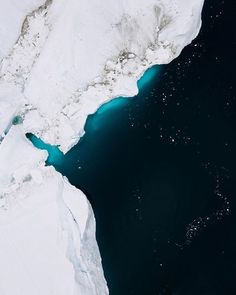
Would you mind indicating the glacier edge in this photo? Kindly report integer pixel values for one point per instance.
(47, 226)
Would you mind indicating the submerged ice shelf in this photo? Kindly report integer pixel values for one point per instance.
(148, 76)
(55, 155)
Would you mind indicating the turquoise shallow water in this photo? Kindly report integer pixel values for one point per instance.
(55, 156)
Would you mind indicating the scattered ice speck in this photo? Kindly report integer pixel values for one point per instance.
(199, 224)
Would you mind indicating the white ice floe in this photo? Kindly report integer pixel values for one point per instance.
(59, 61)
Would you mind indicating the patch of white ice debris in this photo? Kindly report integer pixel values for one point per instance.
(59, 61)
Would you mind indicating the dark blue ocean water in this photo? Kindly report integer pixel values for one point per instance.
(159, 170)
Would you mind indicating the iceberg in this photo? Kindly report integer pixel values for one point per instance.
(59, 61)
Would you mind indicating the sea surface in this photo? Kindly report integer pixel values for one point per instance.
(160, 171)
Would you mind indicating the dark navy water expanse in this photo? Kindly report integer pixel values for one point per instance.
(160, 171)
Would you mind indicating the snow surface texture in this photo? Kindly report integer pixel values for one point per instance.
(47, 227)
(59, 61)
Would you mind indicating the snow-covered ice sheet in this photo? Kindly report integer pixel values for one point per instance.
(12, 16)
(47, 227)
(74, 55)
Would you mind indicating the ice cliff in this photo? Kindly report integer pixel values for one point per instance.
(59, 61)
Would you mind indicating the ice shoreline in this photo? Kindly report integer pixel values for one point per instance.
(42, 217)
